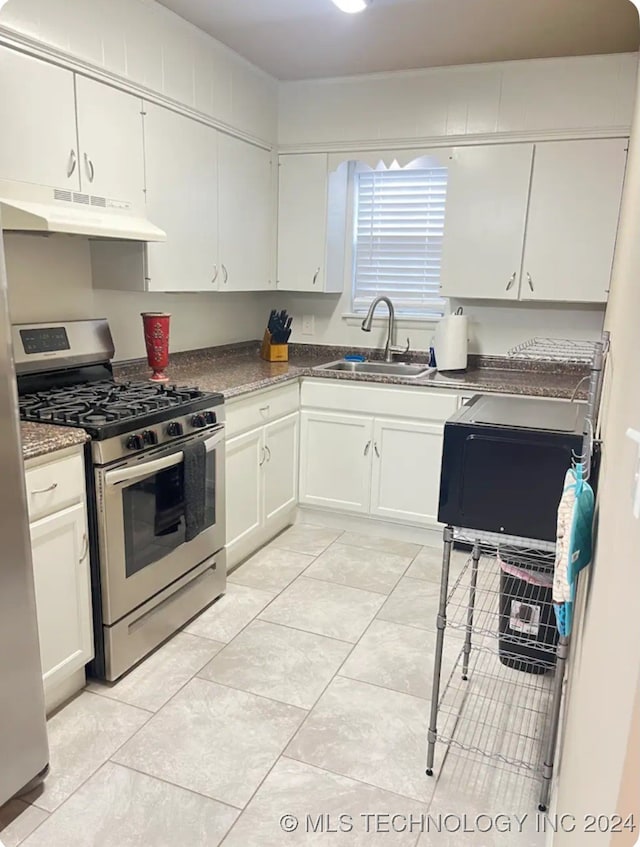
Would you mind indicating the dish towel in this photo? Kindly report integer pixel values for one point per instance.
(573, 544)
(195, 478)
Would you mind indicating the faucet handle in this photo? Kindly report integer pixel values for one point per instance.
(402, 350)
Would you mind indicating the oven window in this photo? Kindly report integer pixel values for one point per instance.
(153, 512)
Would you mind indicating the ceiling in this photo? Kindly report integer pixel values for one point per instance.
(303, 39)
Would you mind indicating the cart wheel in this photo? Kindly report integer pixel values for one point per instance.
(429, 771)
(542, 807)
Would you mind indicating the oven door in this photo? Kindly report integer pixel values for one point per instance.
(141, 524)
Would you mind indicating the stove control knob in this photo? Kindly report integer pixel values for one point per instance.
(209, 417)
(135, 442)
(150, 436)
(198, 421)
(174, 429)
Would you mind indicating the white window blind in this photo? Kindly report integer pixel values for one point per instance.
(398, 231)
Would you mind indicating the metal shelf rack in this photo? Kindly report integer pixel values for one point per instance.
(490, 709)
(486, 707)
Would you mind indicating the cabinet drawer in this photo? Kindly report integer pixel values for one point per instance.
(256, 409)
(400, 401)
(54, 485)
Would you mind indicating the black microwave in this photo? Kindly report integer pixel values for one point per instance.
(504, 463)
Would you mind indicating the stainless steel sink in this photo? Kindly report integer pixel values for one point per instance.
(408, 371)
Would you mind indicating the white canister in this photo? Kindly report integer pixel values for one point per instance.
(451, 342)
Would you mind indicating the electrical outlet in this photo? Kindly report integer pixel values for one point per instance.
(308, 325)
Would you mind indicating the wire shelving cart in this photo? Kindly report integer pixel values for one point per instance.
(502, 698)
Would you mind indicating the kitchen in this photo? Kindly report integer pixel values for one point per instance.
(529, 144)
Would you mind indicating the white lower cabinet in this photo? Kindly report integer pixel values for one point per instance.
(335, 460)
(280, 468)
(60, 554)
(243, 486)
(368, 462)
(406, 471)
(261, 484)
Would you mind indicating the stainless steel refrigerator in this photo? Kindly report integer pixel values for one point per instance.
(24, 753)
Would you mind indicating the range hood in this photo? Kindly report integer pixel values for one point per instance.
(39, 208)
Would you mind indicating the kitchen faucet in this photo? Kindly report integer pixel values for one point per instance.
(366, 324)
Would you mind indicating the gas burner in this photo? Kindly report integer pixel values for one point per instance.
(103, 406)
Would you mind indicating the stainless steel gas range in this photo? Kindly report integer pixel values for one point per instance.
(149, 576)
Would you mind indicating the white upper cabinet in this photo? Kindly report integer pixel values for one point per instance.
(246, 219)
(38, 141)
(485, 221)
(533, 224)
(302, 222)
(182, 198)
(111, 155)
(573, 220)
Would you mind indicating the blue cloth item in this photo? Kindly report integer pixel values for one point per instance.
(580, 543)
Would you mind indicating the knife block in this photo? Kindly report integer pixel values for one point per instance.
(273, 352)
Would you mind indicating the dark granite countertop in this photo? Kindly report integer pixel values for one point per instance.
(39, 439)
(237, 369)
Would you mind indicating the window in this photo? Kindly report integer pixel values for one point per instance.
(397, 240)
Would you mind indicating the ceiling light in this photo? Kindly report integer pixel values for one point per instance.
(352, 6)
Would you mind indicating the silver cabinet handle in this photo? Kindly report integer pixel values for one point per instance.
(263, 457)
(215, 274)
(225, 275)
(264, 410)
(512, 279)
(375, 447)
(51, 487)
(266, 447)
(71, 164)
(530, 281)
(88, 164)
(85, 546)
(315, 276)
(366, 449)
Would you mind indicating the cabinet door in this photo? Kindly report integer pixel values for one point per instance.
(111, 147)
(245, 209)
(38, 120)
(487, 194)
(281, 466)
(406, 471)
(59, 549)
(335, 460)
(302, 221)
(573, 220)
(182, 191)
(245, 456)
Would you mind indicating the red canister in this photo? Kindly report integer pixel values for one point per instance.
(156, 338)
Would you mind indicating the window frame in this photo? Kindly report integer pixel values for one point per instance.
(422, 162)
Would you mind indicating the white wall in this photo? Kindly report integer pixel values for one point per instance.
(493, 329)
(533, 96)
(606, 649)
(49, 278)
(146, 44)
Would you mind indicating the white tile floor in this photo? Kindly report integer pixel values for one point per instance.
(304, 691)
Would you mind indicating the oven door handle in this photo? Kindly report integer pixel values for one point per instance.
(131, 474)
(146, 469)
